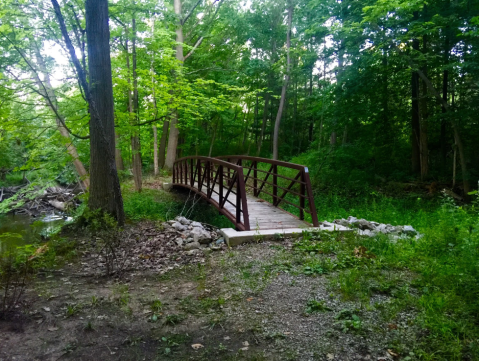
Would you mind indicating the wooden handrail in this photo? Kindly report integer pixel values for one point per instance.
(202, 174)
(227, 173)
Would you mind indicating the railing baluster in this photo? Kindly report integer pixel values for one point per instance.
(302, 199)
(275, 183)
(207, 170)
(255, 181)
(220, 169)
(199, 174)
(192, 174)
(312, 207)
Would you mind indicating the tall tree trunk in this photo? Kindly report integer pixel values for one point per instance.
(415, 123)
(164, 135)
(174, 132)
(423, 144)
(135, 137)
(285, 85)
(311, 120)
(155, 150)
(105, 191)
(445, 80)
(46, 90)
(118, 157)
(263, 125)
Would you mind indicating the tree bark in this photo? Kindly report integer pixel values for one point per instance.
(135, 138)
(164, 135)
(105, 191)
(423, 143)
(47, 90)
(285, 85)
(415, 123)
(174, 131)
(155, 150)
(118, 157)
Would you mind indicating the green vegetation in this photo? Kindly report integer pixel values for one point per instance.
(435, 277)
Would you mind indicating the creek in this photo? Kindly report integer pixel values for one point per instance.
(21, 229)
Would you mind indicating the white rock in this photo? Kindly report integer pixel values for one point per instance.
(192, 245)
(179, 227)
(200, 235)
(179, 241)
(183, 220)
(197, 224)
(352, 220)
(409, 230)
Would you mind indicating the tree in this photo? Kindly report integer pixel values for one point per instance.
(105, 192)
(285, 85)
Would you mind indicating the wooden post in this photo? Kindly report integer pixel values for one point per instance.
(220, 169)
(275, 184)
(255, 175)
(199, 174)
(312, 207)
(302, 197)
(208, 175)
(192, 173)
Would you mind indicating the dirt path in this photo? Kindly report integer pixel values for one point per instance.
(254, 302)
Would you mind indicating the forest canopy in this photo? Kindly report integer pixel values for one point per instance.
(361, 91)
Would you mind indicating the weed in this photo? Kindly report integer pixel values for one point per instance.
(88, 327)
(173, 319)
(348, 321)
(316, 306)
(156, 306)
(72, 309)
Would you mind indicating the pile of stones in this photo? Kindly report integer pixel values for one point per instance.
(371, 229)
(193, 236)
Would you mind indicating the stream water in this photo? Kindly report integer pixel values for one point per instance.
(19, 230)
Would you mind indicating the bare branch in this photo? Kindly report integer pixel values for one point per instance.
(198, 43)
(182, 22)
(71, 49)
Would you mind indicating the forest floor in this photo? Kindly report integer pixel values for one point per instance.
(285, 300)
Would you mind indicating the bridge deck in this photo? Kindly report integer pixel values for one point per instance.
(262, 215)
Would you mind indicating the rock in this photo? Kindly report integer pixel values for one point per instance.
(179, 227)
(167, 186)
(192, 252)
(192, 245)
(352, 220)
(215, 248)
(196, 224)
(200, 235)
(183, 220)
(220, 241)
(363, 225)
(409, 230)
(189, 240)
(179, 241)
(342, 222)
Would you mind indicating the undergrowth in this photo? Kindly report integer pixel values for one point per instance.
(435, 277)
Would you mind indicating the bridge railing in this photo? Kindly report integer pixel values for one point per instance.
(219, 182)
(282, 183)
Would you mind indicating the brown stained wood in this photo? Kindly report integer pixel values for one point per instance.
(224, 184)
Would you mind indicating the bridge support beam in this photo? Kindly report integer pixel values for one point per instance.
(235, 238)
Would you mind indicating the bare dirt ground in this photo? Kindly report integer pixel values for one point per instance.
(253, 302)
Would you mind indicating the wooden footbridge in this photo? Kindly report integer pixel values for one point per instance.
(253, 193)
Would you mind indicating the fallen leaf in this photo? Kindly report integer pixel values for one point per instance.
(46, 309)
(246, 343)
(249, 299)
(226, 338)
(392, 326)
(392, 353)
(244, 349)
(197, 346)
(330, 356)
(52, 329)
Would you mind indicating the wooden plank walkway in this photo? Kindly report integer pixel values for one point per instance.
(262, 215)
